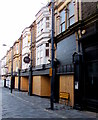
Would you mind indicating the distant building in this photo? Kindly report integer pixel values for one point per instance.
(3, 67)
(16, 61)
(8, 65)
(0, 69)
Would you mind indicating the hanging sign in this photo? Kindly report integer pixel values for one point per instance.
(26, 59)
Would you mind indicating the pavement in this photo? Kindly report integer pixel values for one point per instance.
(21, 105)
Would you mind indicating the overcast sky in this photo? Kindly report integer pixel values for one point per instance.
(15, 15)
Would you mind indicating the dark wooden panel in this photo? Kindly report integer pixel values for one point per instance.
(65, 50)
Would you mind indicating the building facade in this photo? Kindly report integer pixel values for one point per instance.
(0, 69)
(3, 70)
(43, 20)
(16, 61)
(76, 54)
(9, 64)
(73, 21)
(26, 38)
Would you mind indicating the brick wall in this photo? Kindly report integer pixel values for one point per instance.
(88, 9)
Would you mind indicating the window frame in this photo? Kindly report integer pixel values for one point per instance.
(62, 22)
(72, 16)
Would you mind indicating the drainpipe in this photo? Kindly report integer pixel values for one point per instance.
(30, 70)
(12, 71)
(52, 57)
(19, 68)
(77, 31)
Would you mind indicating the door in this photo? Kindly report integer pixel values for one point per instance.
(92, 80)
(91, 76)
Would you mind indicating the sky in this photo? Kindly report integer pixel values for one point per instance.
(15, 15)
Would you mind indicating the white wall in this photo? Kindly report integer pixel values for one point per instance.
(3, 66)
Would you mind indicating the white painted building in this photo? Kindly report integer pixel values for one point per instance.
(0, 69)
(42, 36)
(4, 69)
(26, 38)
(3, 66)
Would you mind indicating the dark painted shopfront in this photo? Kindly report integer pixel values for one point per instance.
(90, 61)
(85, 64)
(66, 47)
(86, 95)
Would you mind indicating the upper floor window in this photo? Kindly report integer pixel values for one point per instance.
(47, 44)
(47, 18)
(40, 26)
(47, 52)
(17, 49)
(62, 20)
(47, 24)
(25, 41)
(47, 49)
(16, 66)
(40, 55)
(70, 14)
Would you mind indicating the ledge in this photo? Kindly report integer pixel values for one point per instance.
(67, 73)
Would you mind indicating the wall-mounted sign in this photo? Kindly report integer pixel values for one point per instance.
(76, 85)
(26, 59)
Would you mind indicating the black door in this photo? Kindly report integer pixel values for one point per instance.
(91, 76)
(92, 80)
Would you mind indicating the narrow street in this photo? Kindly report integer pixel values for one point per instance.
(20, 105)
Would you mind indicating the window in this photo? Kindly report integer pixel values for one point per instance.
(25, 41)
(17, 49)
(62, 21)
(47, 44)
(40, 26)
(41, 56)
(47, 18)
(47, 52)
(16, 66)
(70, 14)
(47, 24)
(38, 60)
(47, 49)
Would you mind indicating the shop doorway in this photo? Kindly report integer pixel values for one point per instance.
(91, 76)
